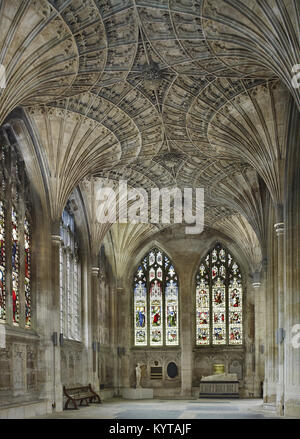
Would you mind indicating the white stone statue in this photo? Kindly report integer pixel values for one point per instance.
(138, 373)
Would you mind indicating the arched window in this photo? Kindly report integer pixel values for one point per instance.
(15, 243)
(156, 317)
(219, 300)
(70, 291)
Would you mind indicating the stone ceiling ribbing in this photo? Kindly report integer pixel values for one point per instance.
(187, 91)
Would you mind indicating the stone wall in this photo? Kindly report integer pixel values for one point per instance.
(193, 361)
(156, 360)
(19, 369)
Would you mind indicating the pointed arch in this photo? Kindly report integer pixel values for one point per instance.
(219, 299)
(156, 301)
(15, 209)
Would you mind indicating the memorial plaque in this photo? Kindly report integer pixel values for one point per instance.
(172, 370)
(236, 367)
(156, 373)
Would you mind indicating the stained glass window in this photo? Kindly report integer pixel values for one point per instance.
(70, 298)
(15, 273)
(27, 279)
(15, 266)
(2, 263)
(219, 295)
(156, 301)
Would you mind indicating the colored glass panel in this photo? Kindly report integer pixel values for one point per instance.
(219, 295)
(15, 267)
(156, 302)
(27, 279)
(2, 264)
(219, 312)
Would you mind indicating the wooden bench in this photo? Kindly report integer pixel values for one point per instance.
(82, 393)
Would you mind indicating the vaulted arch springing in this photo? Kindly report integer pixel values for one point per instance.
(219, 299)
(156, 317)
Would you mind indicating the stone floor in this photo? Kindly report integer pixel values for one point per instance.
(170, 409)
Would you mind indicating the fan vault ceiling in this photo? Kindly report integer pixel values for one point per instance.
(160, 93)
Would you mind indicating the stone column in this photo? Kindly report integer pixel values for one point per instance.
(279, 229)
(271, 316)
(95, 326)
(292, 273)
(292, 302)
(292, 328)
(123, 338)
(113, 328)
(186, 335)
(260, 336)
(249, 331)
(55, 320)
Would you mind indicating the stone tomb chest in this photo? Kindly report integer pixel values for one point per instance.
(219, 386)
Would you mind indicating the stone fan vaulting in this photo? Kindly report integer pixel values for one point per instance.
(160, 93)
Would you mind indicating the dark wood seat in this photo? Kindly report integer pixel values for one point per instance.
(80, 393)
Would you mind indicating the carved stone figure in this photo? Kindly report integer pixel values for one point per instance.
(138, 373)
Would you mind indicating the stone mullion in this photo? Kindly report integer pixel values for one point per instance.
(75, 298)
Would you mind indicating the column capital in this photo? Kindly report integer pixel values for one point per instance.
(279, 228)
(256, 279)
(95, 271)
(56, 239)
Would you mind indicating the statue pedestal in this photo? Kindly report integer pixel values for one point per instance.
(139, 393)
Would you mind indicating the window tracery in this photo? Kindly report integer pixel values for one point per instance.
(219, 300)
(156, 310)
(15, 239)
